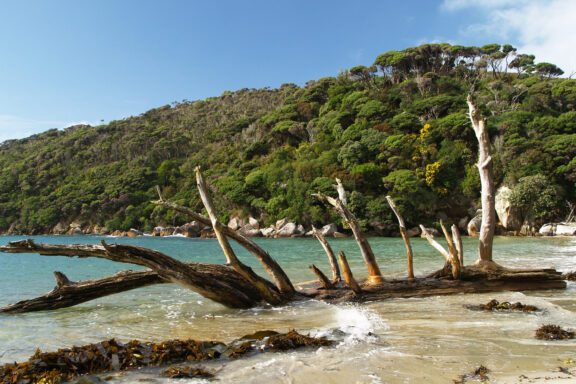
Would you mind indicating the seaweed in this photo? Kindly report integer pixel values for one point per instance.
(480, 373)
(553, 332)
(569, 276)
(505, 306)
(186, 373)
(112, 355)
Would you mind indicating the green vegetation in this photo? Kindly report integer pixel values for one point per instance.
(398, 127)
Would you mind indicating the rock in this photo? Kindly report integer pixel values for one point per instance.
(167, 231)
(510, 217)
(475, 224)
(253, 222)
(463, 223)
(59, 229)
(133, 233)
(118, 233)
(301, 230)
(268, 232)
(287, 230)
(563, 229)
(250, 231)
(281, 223)
(235, 223)
(329, 230)
(413, 232)
(103, 231)
(191, 229)
(558, 229)
(207, 233)
(75, 228)
(339, 235)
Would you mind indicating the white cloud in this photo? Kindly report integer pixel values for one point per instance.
(544, 28)
(456, 5)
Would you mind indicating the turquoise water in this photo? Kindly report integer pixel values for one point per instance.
(397, 341)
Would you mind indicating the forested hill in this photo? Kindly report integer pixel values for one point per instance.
(396, 127)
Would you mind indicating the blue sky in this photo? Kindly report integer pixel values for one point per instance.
(78, 61)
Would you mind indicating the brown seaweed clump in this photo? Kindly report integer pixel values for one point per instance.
(186, 373)
(553, 332)
(480, 373)
(112, 355)
(264, 341)
(505, 306)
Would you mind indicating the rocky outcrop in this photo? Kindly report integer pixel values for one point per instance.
(475, 224)
(75, 228)
(558, 229)
(287, 230)
(59, 229)
(510, 217)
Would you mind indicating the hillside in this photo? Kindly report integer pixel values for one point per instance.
(397, 127)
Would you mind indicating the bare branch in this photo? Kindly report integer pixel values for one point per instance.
(335, 270)
(270, 295)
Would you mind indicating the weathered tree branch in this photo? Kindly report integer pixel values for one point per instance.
(69, 293)
(348, 276)
(215, 285)
(453, 252)
(409, 254)
(448, 256)
(280, 278)
(374, 274)
(328, 249)
(270, 295)
(458, 244)
(326, 283)
(486, 236)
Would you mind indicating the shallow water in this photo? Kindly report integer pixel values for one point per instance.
(432, 340)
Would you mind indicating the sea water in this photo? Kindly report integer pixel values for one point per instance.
(413, 340)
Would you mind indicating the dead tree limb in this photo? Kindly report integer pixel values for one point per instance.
(409, 254)
(272, 296)
(280, 278)
(348, 276)
(453, 252)
(374, 274)
(215, 285)
(449, 257)
(69, 293)
(484, 165)
(326, 283)
(458, 244)
(328, 249)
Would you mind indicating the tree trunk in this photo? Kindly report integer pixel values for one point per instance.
(222, 287)
(484, 165)
(69, 293)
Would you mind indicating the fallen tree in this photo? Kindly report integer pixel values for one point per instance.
(236, 285)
